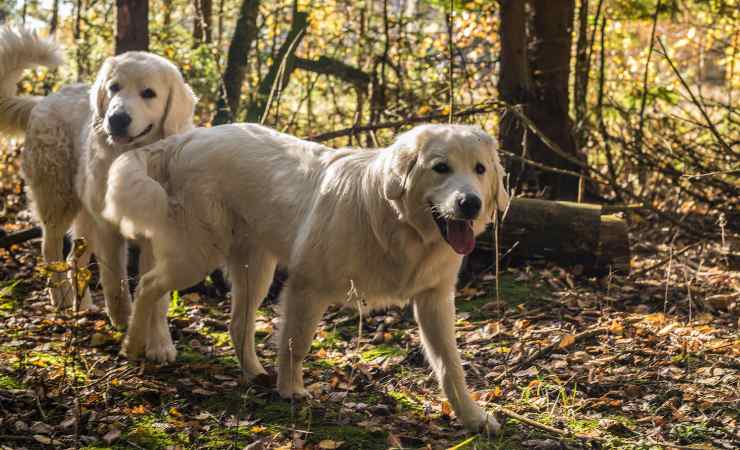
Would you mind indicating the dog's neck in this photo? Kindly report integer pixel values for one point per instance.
(383, 211)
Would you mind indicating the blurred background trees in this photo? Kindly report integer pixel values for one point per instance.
(621, 101)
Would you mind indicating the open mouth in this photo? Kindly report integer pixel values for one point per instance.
(458, 233)
(123, 140)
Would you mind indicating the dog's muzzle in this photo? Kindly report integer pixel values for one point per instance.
(458, 233)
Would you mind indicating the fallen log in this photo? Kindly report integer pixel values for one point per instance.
(533, 231)
(576, 235)
(7, 240)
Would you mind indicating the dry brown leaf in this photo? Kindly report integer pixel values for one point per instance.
(566, 341)
(329, 444)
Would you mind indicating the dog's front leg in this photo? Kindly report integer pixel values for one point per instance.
(435, 312)
(149, 294)
(159, 346)
(302, 312)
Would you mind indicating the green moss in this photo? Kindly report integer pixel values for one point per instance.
(512, 293)
(220, 338)
(8, 382)
(177, 306)
(382, 350)
(8, 298)
(406, 402)
(326, 340)
(187, 355)
(148, 433)
(583, 425)
(225, 437)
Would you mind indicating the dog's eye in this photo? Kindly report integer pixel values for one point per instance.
(480, 169)
(148, 93)
(441, 168)
(115, 87)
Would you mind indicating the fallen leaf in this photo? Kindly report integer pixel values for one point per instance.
(111, 436)
(46, 440)
(329, 444)
(566, 341)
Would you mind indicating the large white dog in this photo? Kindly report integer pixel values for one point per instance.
(390, 225)
(74, 135)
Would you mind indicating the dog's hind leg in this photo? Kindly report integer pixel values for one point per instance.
(435, 312)
(82, 228)
(159, 346)
(110, 250)
(250, 281)
(52, 249)
(302, 312)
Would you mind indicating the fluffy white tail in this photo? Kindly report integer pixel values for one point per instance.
(20, 50)
(134, 201)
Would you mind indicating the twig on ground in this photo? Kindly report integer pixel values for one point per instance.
(544, 351)
(584, 437)
(664, 260)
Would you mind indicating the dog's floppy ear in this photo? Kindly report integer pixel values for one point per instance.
(404, 153)
(99, 91)
(178, 115)
(502, 197)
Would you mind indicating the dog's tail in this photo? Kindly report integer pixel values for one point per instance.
(134, 201)
(20, 50)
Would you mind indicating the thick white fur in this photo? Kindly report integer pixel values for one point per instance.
(249, 197)
(68, 150)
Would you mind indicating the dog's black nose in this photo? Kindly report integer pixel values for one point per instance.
(469, 205)
(118, 123)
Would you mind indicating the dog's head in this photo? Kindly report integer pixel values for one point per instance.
(139, 98)
(446, 179)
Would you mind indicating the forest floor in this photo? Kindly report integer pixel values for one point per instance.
(636, 362)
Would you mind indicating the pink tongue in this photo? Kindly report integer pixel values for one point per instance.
(460, 236)
(121, 140)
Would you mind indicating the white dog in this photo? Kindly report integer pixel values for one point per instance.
(74, 135)
(391, 224)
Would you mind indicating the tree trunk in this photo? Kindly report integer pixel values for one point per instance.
(583, 65)
(515, 81)
(202, 22)
(237, 62)
(132, 25)
(565, 233)
(278, 75)
(549, 53)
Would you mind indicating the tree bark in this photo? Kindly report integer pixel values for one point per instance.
(278, 75)
(339, 69)
(583, 65)
(549, 52)
(132, 25)
(565, 233)
(237, 63)
(203, 22)
(515, 80)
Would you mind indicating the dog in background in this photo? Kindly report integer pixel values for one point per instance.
(72, 137)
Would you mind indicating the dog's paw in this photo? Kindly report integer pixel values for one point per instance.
(161, 352)
(119, 316)
(253, 371)
(61, 296)
(482, 422)
(87, 303)
(294, 392)
(133, 349)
